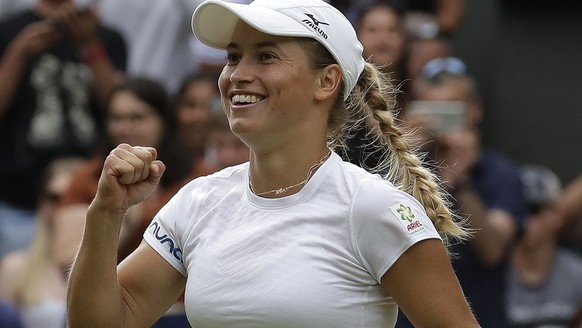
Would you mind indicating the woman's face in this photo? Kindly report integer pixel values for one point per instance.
(382, 36)
(267, 87)
(55, 187)
(131, 120)
(193, 112)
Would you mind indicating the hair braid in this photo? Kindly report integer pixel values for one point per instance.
(402, 164)
(371, 104)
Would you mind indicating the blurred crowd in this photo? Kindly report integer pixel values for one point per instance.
(80, 77)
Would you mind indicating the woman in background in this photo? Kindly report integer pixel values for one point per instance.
(31, 279)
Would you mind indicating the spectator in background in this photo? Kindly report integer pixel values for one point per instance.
(485, 185)
(353, 8)
(57, 66)
(571, 206)
(443, 17)
(224, 148)
(158, 37)
(381, 32)
(421, 50)
(192, 104)
(435, 16)
(544, 286)
(31, 279)
(203, 124)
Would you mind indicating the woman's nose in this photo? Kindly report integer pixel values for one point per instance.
(243, 71)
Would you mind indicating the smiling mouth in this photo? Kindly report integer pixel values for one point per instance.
(245, 99)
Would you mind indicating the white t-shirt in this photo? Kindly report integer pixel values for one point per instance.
(312, 259)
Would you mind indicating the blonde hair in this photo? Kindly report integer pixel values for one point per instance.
(38, 260)
(372, 105)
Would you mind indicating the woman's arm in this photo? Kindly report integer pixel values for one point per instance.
(33, 40)
(423, 284)
(134, 295)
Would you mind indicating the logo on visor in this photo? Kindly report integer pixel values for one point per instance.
(314, 24)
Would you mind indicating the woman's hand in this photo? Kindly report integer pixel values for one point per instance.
(81, 25)
(458, 152)
(130, 175)
(35, 39)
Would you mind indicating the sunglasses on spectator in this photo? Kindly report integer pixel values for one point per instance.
(449, 65)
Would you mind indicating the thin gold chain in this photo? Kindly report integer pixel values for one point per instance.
(281, 190)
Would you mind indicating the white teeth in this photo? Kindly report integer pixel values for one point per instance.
(244, 99)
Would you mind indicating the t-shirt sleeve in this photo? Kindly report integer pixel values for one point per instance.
(385, 222)
(165, 233)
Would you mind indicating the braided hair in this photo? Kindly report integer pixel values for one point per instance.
(372, 104)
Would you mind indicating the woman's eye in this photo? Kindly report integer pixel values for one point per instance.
(267, 56)
(232, 58)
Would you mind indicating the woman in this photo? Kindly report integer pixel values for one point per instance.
(295, 237)
(381, 30)
(192, 104)
(30, 279)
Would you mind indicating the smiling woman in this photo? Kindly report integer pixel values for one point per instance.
(316, 241)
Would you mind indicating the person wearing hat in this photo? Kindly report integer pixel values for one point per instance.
(543, 279)
(296, 237)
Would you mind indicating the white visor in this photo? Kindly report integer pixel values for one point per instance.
(214, 22)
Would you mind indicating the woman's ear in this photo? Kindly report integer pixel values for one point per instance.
(328, 82)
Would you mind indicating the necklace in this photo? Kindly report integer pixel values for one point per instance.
(281, 190)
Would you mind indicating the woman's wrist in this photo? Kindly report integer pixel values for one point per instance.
(103, 213)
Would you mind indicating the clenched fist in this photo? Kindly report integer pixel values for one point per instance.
(130, 175)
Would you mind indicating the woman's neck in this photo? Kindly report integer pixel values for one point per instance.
(282, 174)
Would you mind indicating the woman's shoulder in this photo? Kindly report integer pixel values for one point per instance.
(373, 189)
(361, 176)
(219, 180)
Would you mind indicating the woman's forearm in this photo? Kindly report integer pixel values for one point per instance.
(11, 69)
(94, 297)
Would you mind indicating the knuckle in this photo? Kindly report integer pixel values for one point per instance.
(140, 165)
